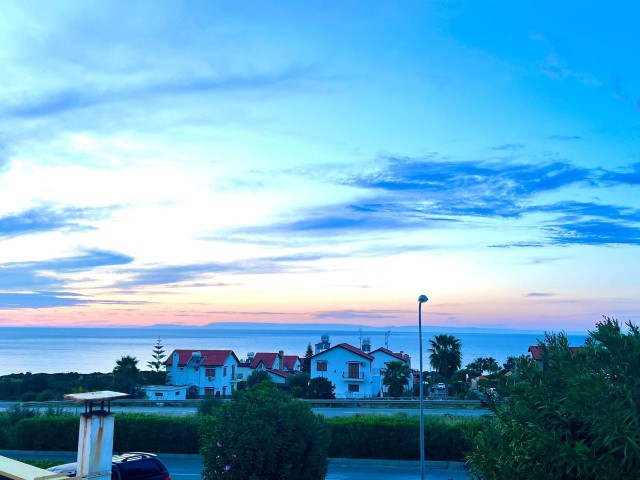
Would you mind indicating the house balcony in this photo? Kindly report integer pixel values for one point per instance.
(353, 377)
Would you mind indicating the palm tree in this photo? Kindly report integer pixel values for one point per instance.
(445, 354)
(396, 377)
(125, 373)
(492, 365)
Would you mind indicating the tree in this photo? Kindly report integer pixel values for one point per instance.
(263, 434)
(125, 374)
(258, 376)
(445, 355)
(320, 388)
(491, 365)
(298, 384)
(577, 418)
(306, 361)
(396, 377)
(158, 356)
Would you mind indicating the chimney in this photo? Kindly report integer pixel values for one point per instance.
(95, 441)
(281, 360)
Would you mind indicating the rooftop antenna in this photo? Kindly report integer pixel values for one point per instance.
(386, 339)
(360, 330)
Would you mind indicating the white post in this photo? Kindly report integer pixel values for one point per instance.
(421, 300)
(95, 445)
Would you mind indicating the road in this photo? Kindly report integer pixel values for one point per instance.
(327, 412)
(190, 468)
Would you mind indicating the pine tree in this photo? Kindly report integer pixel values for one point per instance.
(158, 356)
(306, 361)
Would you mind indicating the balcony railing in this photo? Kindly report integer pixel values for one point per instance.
(353, 375)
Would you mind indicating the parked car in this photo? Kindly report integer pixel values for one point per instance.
(126, 466)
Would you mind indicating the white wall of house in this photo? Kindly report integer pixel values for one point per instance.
(378, 366)
(350, 372)
(209, 379)
(165, 392)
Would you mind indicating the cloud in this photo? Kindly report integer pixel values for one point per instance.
(179, 274)
(595, 232)
(626, 178)
(46, 274)
(474, 179)
(539, 295)
(48, 218)
(37, 300)
(356, 314)
(509, 147)
(72, 99)
(565, 138)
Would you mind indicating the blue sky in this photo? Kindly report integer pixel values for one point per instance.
(197, 162)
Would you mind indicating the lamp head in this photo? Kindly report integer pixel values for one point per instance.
(422, 298)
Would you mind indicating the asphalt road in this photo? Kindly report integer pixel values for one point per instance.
(190, 468)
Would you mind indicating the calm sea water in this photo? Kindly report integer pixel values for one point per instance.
(87, 350)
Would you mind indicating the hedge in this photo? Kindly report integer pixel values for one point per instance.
(397, 437)
(361, 436)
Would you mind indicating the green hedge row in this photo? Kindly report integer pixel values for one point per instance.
(362, 436)
(154, 433)
(397, 437)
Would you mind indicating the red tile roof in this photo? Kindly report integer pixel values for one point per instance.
(268, 359)
(399, 356)
(290, 361)
(271, 360)
(210, 358)
(536, 352)
(351, 348)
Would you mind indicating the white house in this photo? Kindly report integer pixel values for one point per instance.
(165, 392)
(213, 372)
(348, 368)
(381, 357)
(278, 365)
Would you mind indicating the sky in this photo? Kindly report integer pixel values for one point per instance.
(319, 162)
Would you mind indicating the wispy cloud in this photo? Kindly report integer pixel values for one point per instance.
(358, 314)
(595, 232)
(48, 218)
(179, 274)
(71, 99)
(47, 274)
(38, 300)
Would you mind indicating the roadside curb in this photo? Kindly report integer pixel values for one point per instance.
(429, 464)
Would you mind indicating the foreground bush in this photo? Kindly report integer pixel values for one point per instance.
(263, 434)
(579, 418)
(398, 437)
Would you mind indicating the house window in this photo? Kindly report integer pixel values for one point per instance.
(321, 365)
(224, 371)
(354, 370)
(353, 387)
(177, 394)
(224, 390)
(209, 391)
(158, 394)
(210, 372)
(233, 372)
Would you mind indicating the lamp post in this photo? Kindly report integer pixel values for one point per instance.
(421, 299)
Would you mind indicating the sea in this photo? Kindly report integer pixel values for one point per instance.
(88, 350)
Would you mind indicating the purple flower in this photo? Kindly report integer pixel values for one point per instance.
(219, 444)
(227, 468)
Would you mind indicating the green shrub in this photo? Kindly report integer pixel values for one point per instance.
(59, 432)
(155, 433)
(398, 437)
(264, 434)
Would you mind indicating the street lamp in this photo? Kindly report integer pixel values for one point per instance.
(421, 299)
